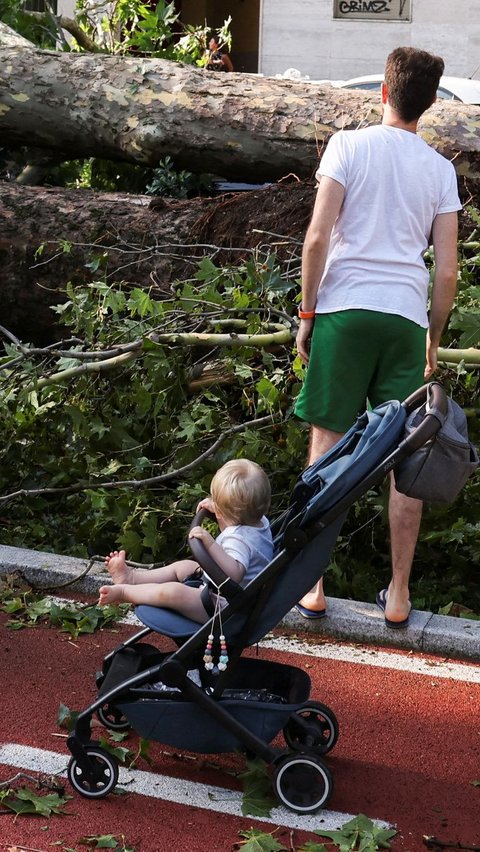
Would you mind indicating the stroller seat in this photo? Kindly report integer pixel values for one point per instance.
(166, 621)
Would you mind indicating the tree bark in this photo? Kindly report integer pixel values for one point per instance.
(51, 236)
(240, 126)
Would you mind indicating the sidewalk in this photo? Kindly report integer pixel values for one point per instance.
(350, 621)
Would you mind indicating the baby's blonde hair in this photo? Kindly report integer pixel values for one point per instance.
(241, 490)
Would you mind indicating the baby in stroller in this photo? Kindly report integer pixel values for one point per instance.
(239, 498)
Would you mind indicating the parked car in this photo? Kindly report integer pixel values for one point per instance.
(451, 88)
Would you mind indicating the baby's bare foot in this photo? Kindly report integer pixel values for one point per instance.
(111, 594)
(117, 567)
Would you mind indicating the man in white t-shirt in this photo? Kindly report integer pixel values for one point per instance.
(383, 196)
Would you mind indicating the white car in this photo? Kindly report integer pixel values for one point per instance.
(451, 88)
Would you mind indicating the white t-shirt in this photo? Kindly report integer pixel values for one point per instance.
(395, 186)
(251, 546)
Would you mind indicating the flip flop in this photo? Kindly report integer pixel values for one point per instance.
(381, 601)
(310, 613)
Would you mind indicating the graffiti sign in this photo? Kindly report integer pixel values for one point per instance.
(373, 10)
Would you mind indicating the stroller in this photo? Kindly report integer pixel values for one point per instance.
(171, 698)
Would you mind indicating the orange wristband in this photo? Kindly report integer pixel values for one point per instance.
(305, 314)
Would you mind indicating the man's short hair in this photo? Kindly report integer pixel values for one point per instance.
(412, 77)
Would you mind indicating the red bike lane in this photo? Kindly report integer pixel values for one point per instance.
(408, 752)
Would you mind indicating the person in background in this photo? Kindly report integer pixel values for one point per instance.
(364, 332)
(218, 59)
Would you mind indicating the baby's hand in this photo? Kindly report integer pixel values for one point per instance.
(208, 504)
(204, 536)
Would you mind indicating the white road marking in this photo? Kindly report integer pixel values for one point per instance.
(416, 664)
(178, 790)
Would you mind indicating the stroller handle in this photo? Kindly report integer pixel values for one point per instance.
(207, 563)
(435, 399)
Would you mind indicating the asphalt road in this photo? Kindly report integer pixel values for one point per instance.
(408, 752)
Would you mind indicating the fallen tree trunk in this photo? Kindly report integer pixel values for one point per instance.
(240, 126)
(51, 236)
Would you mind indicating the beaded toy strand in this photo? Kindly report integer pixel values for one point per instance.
(208, 655)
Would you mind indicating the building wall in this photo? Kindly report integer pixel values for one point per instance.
(304, 35)
(66, 7)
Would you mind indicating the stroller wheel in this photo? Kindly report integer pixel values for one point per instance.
(303, 783)
(112, 718)
(313, 726)
(97, 782)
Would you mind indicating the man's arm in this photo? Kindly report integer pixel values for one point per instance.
(445, 234)
(328, 203)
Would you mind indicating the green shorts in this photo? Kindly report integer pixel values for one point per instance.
(357, 358)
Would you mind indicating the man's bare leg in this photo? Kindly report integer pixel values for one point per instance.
(405, 514)
(321, 440)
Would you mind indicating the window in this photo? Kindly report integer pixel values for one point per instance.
(40, 6)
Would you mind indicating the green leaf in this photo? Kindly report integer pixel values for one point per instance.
(468, 321)
(383, 836)
(258, 798)
(189, 427)
(107, 841)
(26, 801)
(13, 605)
(142, 400)
(38, 608)
(149, 525)
(360, 834)
(100, 841)
(259, 841)
(206, 270)
(66, 717)
(267, 390)
(117, 736)
(140, 304)
(131, 542)
(144, 750)
(120, 752)
(111, 468)
(243, 371)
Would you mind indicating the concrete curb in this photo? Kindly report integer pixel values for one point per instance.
(350, 621)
